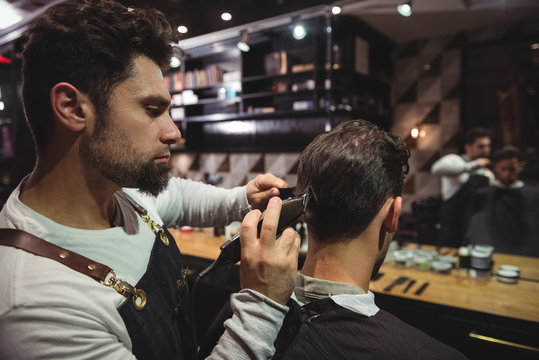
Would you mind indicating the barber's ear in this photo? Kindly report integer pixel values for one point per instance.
(392, 217)
(70, 106)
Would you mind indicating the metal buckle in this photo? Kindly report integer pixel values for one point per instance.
(138, 296)
(139, 299)
(124, 288)
(156, 228)
(164, 237)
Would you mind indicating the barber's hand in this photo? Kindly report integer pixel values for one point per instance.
(482, 162)
(263, 188)
(268, 265)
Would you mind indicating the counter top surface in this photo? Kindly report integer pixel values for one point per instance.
(520, 300)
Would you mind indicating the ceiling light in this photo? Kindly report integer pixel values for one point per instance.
(414, 133)
(405, 9)
(336, 10)
(175, 62)
(298, 29)
(182, 29)
(243, 44)
(226, 16)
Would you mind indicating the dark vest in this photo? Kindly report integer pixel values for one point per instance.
(161, 330)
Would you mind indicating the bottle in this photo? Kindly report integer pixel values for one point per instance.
(465, 258)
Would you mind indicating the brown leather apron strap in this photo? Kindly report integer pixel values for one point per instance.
(37, 246)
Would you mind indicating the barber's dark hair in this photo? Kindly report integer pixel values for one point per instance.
(90, 44)
(507, 152)
(475, 133)
(352, 170)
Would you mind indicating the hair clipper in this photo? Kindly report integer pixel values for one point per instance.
(291, 210)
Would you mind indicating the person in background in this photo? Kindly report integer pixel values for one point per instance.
(461, 175)
(505, 214)
(98, 108)
(356, 173)
(508, 163)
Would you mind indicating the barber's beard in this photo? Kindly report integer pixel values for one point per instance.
(115, 158)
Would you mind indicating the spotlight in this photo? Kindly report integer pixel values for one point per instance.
(226, 16)
(243, 44)
(298, 29)
(414, 133)
(175, 62)
(405, 9)
(336, 10)
(182, 29)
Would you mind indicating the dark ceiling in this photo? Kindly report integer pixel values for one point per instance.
(203, 16)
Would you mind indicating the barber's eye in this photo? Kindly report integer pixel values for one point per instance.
(154, 111)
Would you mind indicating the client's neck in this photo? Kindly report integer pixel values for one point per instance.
(343, 260)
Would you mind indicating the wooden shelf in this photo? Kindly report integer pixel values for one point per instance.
(278, 76)
(273, 93)
(211, 101)
(252, 71)
(252, 116)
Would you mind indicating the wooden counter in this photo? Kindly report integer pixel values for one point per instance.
(201, 243)
(482, 319)
(519, 301)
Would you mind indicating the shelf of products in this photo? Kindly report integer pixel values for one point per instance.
(333, 75)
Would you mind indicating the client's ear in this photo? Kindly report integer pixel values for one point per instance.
(69, 106)
(392, 217)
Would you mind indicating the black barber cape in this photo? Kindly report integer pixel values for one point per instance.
(324, 330)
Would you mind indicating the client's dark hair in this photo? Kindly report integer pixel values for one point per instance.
(507, 152)
(90, 44)
(352, 170)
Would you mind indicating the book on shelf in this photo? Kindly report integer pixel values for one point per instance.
(209, 76)
(276, 63)
(302, 105)
(361, 56)
(303, 85)
(174, 82)
(260, 110)
(302, 67)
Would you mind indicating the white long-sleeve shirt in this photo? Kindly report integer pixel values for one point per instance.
(455, 170)
(49, 311)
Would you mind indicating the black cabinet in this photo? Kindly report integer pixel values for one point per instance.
(477, 335)
(283, 92)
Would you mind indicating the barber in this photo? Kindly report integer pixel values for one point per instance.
(461, 175)
(98, 109)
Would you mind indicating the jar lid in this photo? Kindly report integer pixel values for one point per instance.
(402, 254)
(510, 267)
(484, 247)
(421, 258)
(441, 266)
(480, 253)
(507, 273)
(186, 229)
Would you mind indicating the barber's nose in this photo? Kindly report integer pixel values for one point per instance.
(171, 134)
